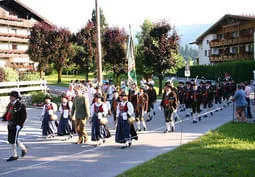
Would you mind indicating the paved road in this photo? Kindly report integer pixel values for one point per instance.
(57, 157)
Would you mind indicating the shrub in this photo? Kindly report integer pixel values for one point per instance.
(37, 97)
(11, 74)
(2, 75)
(239, 70)
(29, 76)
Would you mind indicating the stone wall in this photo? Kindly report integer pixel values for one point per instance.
(4, 100)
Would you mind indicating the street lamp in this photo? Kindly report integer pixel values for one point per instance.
(99, 54)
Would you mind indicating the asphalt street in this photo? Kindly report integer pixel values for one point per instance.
(59, 157)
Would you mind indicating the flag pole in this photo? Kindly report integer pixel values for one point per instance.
(99, 54)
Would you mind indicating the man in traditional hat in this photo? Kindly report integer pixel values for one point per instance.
(187, 94)
(152, 97)
(16, 116)
(208, 98)
(181, 92)
(169, 104)
(141, 108)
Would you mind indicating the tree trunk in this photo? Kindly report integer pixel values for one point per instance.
(41, 74)
(59, 75)
(160, 79)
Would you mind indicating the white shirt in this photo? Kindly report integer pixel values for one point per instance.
(92, 108)
(129, 105)
(55, 107)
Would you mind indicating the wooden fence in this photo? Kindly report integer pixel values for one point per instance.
(23, 86)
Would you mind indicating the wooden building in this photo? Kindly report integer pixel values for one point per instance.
(16, 21)
(229, 39)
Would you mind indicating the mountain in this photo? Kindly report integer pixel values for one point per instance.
(189, 33)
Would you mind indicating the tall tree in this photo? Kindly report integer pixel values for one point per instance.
(61, 49)
(86, 53)
(139, 50)
(158, 49)
(114, 44)
(38, 49)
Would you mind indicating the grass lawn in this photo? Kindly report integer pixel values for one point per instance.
(65, 80)
(228, 151)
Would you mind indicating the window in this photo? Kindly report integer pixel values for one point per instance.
(233, 50)
(235, 34)
(207, 41)
(220, 36)
(14, 46)
(205, 53)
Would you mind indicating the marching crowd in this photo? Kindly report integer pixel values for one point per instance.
(131, 109)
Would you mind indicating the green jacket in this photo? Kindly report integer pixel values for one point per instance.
(80, 107)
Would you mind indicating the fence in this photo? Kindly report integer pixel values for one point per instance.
(23, 86)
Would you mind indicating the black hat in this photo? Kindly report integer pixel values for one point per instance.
(98, 95)
(181, 82)
(64, 96)
(48, 97)
(123, 94)
(201, 82)
(15, 94)
(187, 82)
(208, 82)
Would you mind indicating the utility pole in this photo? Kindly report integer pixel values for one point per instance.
(99, 54)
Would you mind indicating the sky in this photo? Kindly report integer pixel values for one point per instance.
(120, 13)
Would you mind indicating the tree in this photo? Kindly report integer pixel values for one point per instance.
(61, 49)
(86, 48)
(159, 47)
(114, 45)
(38, 50)
(139, 50)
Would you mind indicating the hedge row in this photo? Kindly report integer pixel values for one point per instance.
(239, 70)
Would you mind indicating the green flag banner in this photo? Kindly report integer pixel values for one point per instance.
(132, 81)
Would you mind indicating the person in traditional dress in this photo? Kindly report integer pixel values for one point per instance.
(195, 102)
(65, 124)
(115, 102)
(49, 125)
(98, 111)
(169, 104)
(80, 112)
(16, 116)
(187, 99)
(141, 108)
(125, 130)
(152, 96)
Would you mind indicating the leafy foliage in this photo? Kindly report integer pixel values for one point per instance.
(38, 49)
(11, 75)
(159, 47)
(2, 75)
(216, 71)
(61, 49)
(86, 48)
(114, 45)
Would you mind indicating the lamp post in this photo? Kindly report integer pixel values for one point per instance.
(99, 54)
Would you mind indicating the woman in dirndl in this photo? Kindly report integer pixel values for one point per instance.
(49, 126)
(125, 131)
(65, 124)
(99, 111)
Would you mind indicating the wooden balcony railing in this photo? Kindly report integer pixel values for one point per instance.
(222, 58)
(240, 40)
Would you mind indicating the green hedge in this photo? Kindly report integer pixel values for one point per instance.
(239, 70)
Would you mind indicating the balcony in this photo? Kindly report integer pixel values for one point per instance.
(233, 57)
(12, 53)
(16, 23)
(224, 42)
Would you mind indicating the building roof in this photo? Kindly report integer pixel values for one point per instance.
(219, 23)
(23, 10)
